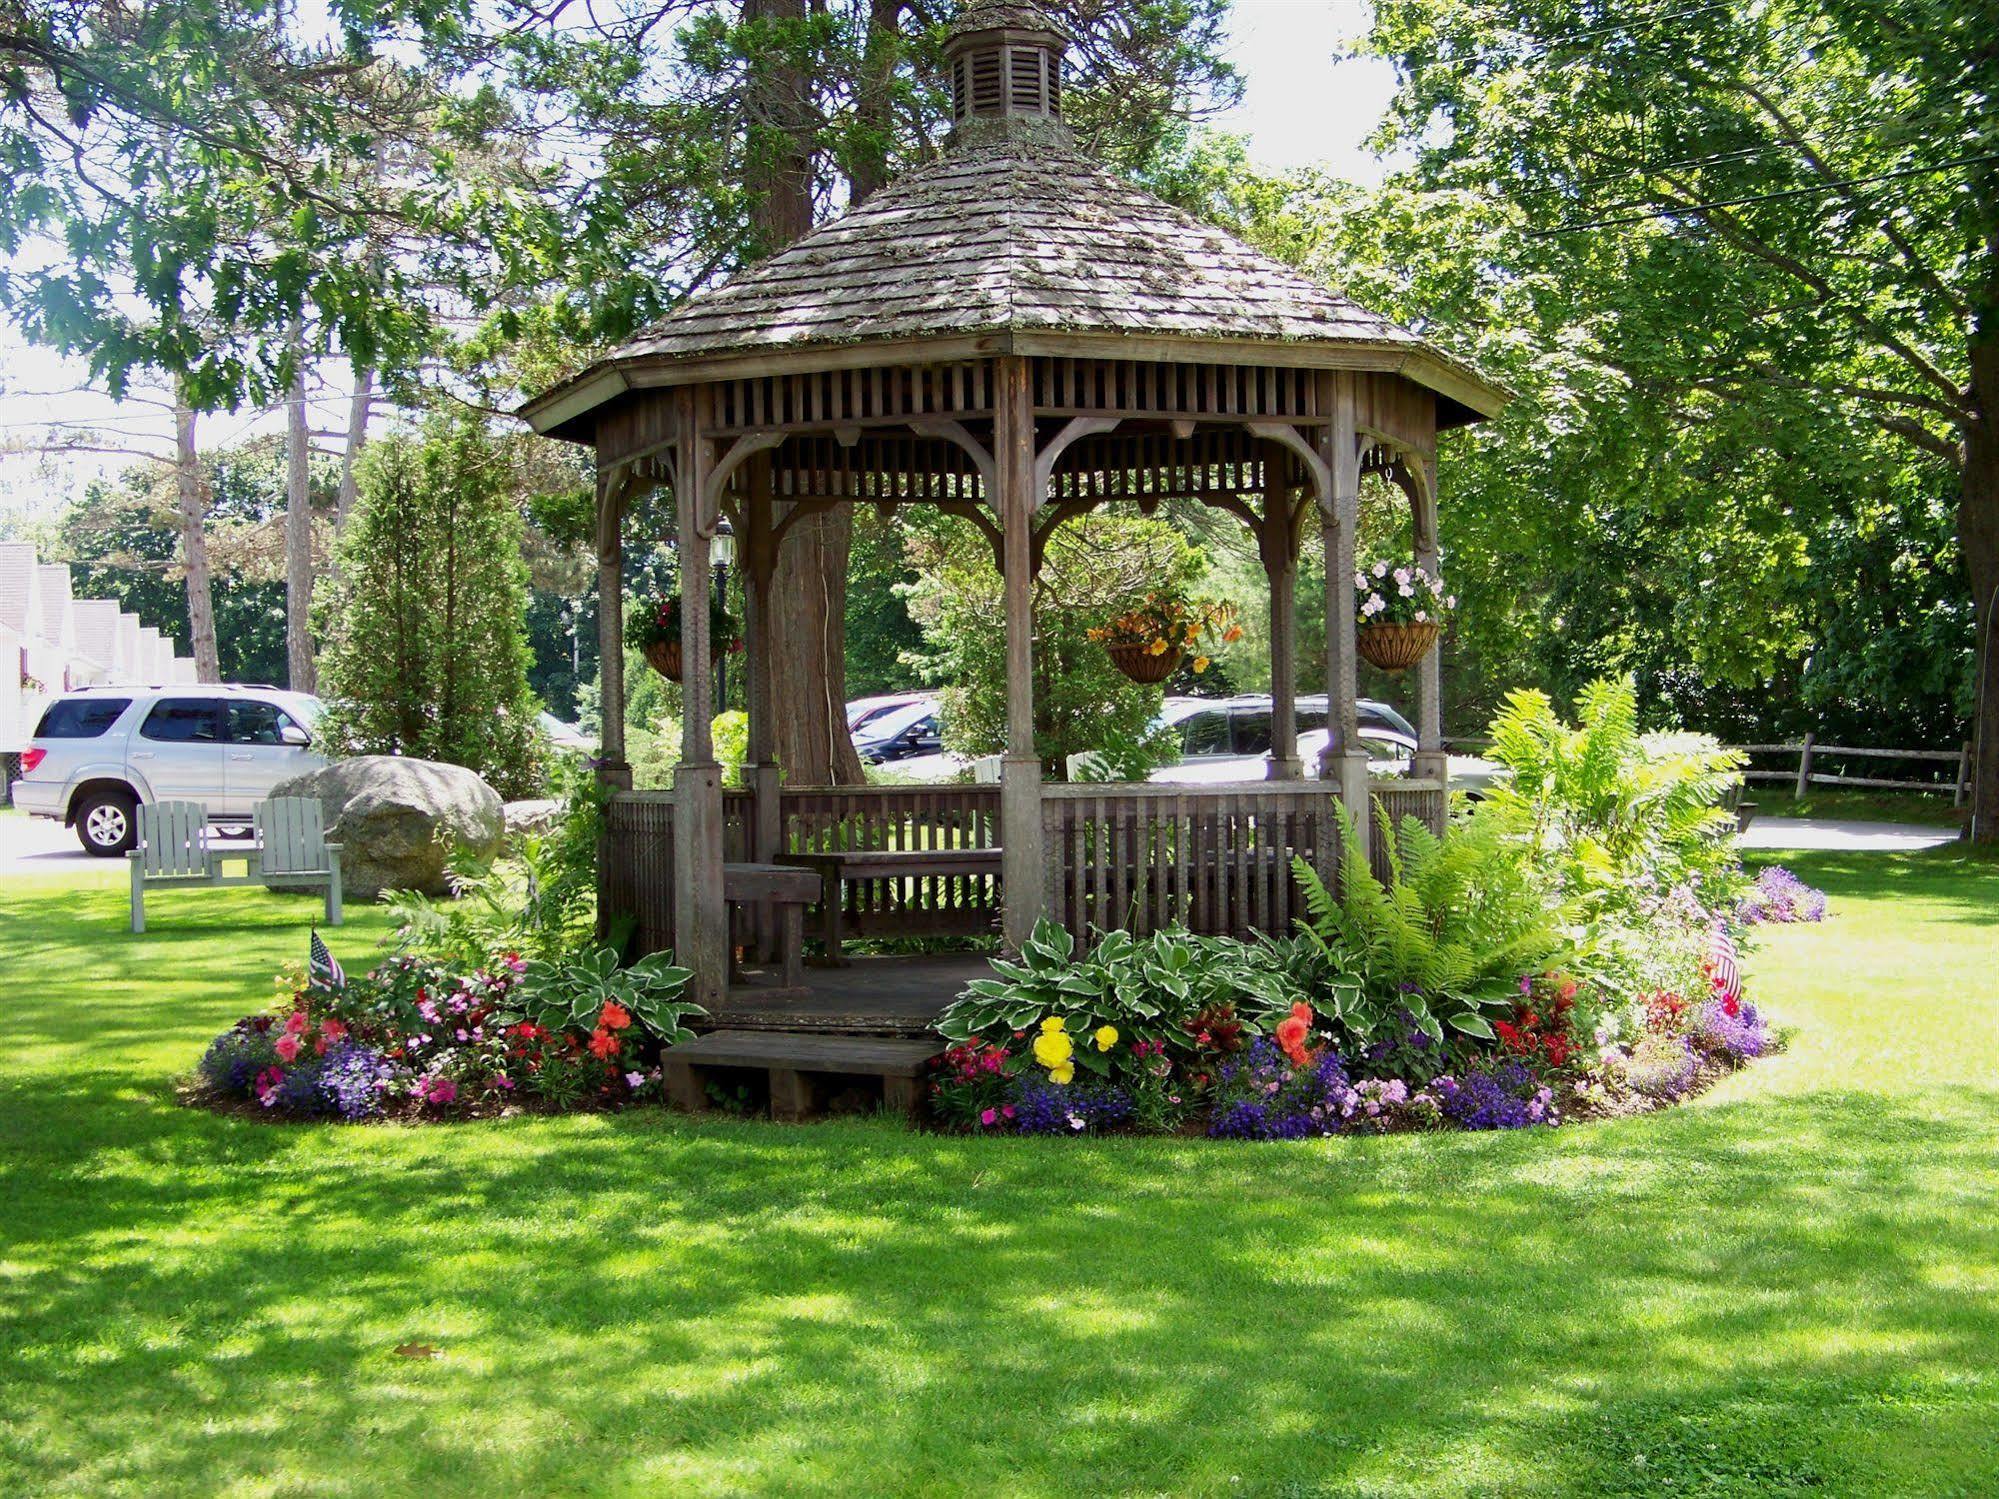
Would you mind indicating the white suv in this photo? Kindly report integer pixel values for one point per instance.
(101, 751)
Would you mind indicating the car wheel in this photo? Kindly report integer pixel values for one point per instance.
(107, 823)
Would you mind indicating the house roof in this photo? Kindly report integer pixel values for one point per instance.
(1013, 230)
(96, 630)
(18, 587)
(55, 598)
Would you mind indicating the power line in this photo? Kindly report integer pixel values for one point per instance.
(1681, 210)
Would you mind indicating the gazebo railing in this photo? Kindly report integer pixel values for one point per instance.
(1216, 858)
(1394, 799)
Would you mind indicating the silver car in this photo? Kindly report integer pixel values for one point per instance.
(101, 752)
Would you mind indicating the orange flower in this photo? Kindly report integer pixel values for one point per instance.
(1292, 1031)
(603, 1044)
(615, 1017)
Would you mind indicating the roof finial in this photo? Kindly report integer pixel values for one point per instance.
(1006, 61)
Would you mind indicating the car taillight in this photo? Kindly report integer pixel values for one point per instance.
(30, 758)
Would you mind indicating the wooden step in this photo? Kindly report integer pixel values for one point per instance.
(798, 1064)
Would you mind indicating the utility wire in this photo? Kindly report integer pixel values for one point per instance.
(1683, 210)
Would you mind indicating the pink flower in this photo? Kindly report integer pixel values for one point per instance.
(989, 1117)
(288, 1047)
(297, 1023)
(635, 1080)
(440, 1090)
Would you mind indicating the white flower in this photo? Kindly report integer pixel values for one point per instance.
(1407, 591)
(1360, 578)
(1422, 618)
(1451, 602)
(1402, 576)
(1381, 569)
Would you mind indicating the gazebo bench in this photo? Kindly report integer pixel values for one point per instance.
(799, 1065)
(790, 890)
(836, 866)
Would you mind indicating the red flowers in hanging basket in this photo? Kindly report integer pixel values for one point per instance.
(1395, 647)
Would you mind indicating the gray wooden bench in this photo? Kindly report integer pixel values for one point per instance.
(836, 866)
(292, 848)
(799, 1066)
(292, 851)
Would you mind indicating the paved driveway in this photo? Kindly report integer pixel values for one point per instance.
(34, 844)
(1841, 835)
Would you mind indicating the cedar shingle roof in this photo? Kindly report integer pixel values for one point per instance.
(1016, 232)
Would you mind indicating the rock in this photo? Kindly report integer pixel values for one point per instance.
(537, 816)
(398, 820)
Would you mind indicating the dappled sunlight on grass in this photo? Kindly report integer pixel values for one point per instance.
(1786, 1286)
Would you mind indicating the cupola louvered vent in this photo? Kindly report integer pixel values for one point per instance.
(1006, 60)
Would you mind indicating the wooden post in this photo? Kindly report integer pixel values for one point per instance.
(1805, 768)
(612, 767)
(700, 918)
(1963, 787)
(1278, 543)
(1020, 773)
(760, 543)
(1339, 513)
(1431, 763)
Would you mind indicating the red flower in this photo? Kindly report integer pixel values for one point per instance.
(603, 1044)
(615, 1017)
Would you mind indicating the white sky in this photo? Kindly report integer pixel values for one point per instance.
(1299, 107)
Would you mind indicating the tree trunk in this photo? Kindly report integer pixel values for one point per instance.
(298, 530)
(1978, 540)
(192, 504)
(807, 638)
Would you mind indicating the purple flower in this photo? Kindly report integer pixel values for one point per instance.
(1780, 896)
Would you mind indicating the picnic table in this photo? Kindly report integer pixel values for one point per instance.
(835, 867)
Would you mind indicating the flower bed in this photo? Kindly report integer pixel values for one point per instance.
(1567, 950)
(414, 1039)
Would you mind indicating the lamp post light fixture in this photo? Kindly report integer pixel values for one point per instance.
(723, 552)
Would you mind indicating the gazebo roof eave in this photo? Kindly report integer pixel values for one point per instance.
(561, 411)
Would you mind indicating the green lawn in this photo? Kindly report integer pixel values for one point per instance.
(1791, 1285)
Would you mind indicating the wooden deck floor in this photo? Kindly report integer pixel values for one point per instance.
(899, 996)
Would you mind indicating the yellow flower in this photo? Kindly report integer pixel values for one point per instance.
(1066, 1073)
(1232, 634)
(1200, 665)
(1157, 648)
(1053, 1049)
(1054, 1023)
(1106, 1037)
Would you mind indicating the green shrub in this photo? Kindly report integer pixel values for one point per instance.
(1610, 812)
(1446, 938)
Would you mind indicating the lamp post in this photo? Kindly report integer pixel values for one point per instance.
(723, 550)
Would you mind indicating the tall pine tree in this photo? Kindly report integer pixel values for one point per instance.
(426, 652)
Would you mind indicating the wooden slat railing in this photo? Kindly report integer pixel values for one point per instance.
(1214, 858)
(1395, 799)
(825, 818)
(1142, 857)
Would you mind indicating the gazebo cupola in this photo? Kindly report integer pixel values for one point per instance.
(1013, 335)
(1005, 59)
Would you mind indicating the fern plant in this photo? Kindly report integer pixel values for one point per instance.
(1607, 807)
(1446, 937)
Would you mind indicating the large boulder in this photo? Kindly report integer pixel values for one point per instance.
(398, 820)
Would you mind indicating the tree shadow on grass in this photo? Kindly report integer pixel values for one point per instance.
(638, 1301)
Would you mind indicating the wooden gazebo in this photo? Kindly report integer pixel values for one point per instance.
(1014, 335)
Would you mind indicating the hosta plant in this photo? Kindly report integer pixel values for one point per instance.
(572, 994)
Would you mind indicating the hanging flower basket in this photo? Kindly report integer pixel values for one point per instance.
(663, 656)
(654, 628)
(1395, 647)
(1141, 664)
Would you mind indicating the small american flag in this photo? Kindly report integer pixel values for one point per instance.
(1722, 969)
(322, 967)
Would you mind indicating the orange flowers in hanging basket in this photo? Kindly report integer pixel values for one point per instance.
(1148, 643)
